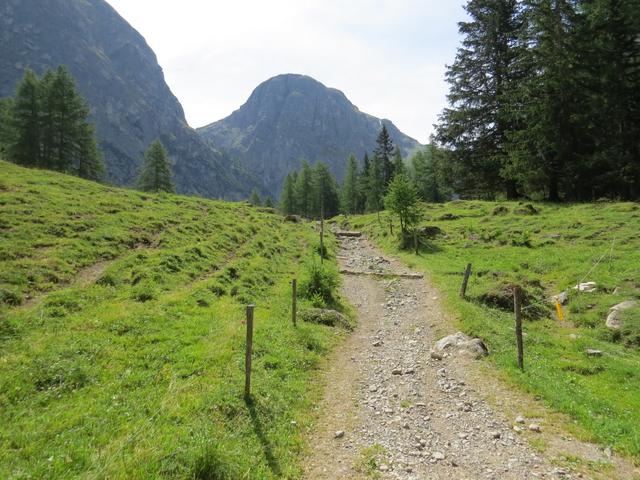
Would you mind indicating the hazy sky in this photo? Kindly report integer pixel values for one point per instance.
(387, 56)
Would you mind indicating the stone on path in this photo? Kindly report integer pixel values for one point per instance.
(462, 343)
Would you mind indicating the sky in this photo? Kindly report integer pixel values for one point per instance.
(387, 56)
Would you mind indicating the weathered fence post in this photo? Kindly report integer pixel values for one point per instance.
(390, 226)
(415, 241)
(247, 361)
(517, 304)
(294, 300)
(465, 281)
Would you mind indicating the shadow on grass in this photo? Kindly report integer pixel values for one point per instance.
(266, 445)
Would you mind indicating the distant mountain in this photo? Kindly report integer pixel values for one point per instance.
(120, 77)
(293, 117)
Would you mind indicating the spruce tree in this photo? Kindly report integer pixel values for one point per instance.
(24, 122)
(349, 192)
(384, 152)
(155, 175)
(268, 202)
(481, 79)
(402, 200)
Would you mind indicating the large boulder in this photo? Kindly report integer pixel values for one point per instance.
(461, 344)
(614, 319)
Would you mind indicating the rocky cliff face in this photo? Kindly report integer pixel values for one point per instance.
(119, 75)
(293, 117)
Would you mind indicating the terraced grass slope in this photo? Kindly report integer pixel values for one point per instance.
(122, 335)
(546, 249)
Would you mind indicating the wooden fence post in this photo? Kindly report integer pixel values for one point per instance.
(465, 281)
(517, 304)
(247, 361)
(415, 241)
(294, 300)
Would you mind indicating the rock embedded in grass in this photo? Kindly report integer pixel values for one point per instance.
(614, 319)
(323, 316)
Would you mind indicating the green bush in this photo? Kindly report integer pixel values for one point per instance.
(320, 282)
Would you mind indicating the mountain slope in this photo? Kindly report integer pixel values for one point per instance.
(293, 117)
(121, 341)
(119, 75)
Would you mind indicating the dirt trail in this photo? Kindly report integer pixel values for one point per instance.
(405, 415)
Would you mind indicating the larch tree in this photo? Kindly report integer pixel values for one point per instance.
(155, 175)
(384, 153)
(349, 192)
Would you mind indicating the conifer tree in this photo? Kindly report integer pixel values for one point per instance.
(481, 79)
(402, 200)
(303, 189)
(5, 132)
(384, 153)
(375, 185)
(363, 183)
(155, 175)
(268, 202)
(288, 196)
(255, 198)
(325, 201)
(88, 163)
(24, 122)
(349, 193)
(398, 163)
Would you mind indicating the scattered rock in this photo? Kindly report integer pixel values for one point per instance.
(520, 419)
(586, 287)
(495, 434)
(614, 319)
(448, 216)
(592, 352)
(534, 427)
(436, 355)
(463, 344)
(438, 456)
(339, 434)
(616, 291)
(377, 343)
(396, 371)
(430, 231)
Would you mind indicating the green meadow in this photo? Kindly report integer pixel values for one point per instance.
(546, 249)
(122, 334)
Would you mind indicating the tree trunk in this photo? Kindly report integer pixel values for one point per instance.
(512, 190)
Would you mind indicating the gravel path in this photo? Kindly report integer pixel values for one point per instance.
(390, 410)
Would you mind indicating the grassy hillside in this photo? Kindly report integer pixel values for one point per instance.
(122, 335)
(546, 249)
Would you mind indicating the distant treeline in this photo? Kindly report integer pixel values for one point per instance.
(313, 191)
(45, 125)
(545, 101)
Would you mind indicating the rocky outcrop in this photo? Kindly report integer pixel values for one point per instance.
(289, 118)
(118, 73)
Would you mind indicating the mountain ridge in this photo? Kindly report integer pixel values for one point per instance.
(291, 117)
(119, 75)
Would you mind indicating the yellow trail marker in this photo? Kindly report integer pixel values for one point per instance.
(559, 311)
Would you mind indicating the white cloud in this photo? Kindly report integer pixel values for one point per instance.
(387, 56)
